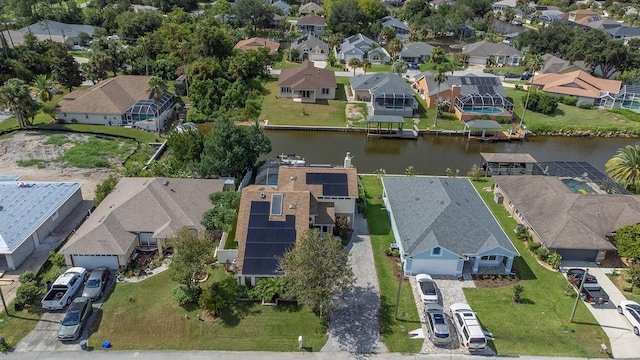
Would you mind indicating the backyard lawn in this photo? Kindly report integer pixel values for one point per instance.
(570, 117)
(284, 111)
(144, 316)
(394, 329)
(540, 325)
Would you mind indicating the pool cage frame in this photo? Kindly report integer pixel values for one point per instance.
(393, 99)
(627, 93)
(483, 100)
(148, 109)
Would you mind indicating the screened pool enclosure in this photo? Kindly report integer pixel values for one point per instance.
(148, 109)
(484, 104)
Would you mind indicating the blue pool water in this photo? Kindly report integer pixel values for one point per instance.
(578, 187)
(483, 109)
(631, 104)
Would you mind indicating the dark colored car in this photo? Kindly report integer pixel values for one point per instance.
(526, 76)
(511, 75)
(575, 275)
(96, 283)
(75, 319)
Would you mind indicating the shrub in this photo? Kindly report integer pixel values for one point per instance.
(543, 253)
(503, 120)
(541, 102)
(570, 100)
(104, 188)
(554, 260)
(392, 252)
(522, 233)
(475, 173)
(533, 246)
(583, 104)
(519, 87)
(28, 293)
(56, 259)
(625, 286)
(184, 295)
(517, 293)
(27, 276)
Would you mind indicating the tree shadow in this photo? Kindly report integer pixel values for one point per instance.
(378, 219)
(232, 316)
(322, 102)
(527, 301)
(523, 270)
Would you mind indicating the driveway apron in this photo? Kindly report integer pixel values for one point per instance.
(354, 325)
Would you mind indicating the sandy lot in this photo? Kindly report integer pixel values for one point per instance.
(30, 145)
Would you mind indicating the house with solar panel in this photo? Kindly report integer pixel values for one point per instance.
(272, 217)
(443, 227)
(470, 95)
(29, 212)
(120, 101)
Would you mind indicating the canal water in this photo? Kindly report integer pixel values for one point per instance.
(433, 154)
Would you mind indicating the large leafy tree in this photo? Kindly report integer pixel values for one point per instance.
(14, 95)
(65, 70)
(223, 215)
(624, 167)
(186, 147)
(191, 252)
(627, 240)
(316, 270)
(347, 18)
(231, 150)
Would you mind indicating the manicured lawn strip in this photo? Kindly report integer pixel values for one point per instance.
(18, 324)
(284, 111)
(394, 330)
(144, 316)
(540, 325)
(447, 121)
(570, 117)
(284, 64)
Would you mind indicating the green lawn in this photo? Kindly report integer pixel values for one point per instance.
(571, 117)
(284, 64)
(447, 121)
(540, 325)
(284, 111)
(144, 316)
(394, 329)
(18, 324)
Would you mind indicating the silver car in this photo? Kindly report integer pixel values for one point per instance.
(96, 283)
(75, 319)
(437, 324)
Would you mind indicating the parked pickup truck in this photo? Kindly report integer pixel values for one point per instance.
(591, 290)
(64, 288)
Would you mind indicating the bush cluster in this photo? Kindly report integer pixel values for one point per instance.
(583, 104)
(569, 100)
(541, 102)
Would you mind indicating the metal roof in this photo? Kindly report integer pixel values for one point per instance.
(482, 124)
(508, 157)
(385, 119)
(25, 205)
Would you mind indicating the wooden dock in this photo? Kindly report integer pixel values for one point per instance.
(397, 134)
(499, 136)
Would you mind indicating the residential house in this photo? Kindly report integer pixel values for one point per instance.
(546, 17)
(500, 6)
(553, 64)
(567, 215)
(470, 94)
(29, 212)
(385, 93)
(583, 16)
(122, 100)
(12, 38)
(312, 24)
(256, 43)
(283, 6)
(310, 8)
(402, 30)
(140, 213)
(416, 52)
(485, 53)
(443, 227)
(139, 8)
(578, 84)
(362, 48)
(272, 218)
(57, 31)
(624, 33)
(311, 47)
(307, 83)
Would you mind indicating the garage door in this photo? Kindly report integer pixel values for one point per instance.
(317, 57)
(578, 255)
(434, 267)
(95, 261)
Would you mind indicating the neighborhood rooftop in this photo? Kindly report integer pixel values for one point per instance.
(25, 205)
(381, 83)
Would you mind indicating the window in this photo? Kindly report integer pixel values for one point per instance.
(510, 204)
(285, 90)
(147, 239)
(325, 91)
(489, 257)
(437, 251)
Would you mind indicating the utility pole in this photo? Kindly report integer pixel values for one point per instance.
(575, 305)
(6, 311)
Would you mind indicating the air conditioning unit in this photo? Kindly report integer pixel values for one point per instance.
(498, 198)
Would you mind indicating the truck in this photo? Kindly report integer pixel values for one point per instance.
(591, 290)
(62, 290)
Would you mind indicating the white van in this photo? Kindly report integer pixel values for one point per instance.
(471, 334)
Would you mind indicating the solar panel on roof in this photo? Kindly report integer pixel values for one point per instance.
(333, 184)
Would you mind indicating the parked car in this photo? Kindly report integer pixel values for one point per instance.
(428, 292)
(64, 288)
(591, 290)
(471, 334)
(437, 324)
(75, 319)
(511, 75)
(96, 283)
(526, 76)
(631, 310)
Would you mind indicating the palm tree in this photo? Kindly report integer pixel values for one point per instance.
(184, 48)
(624, 167)
(143, 48)
(354, 63)
(533, 63)
(366, 64)
(43, 87)
(440, 76)
(395, 47)
(399, 67)
(157, 88)
(437, 55)
(14, 95)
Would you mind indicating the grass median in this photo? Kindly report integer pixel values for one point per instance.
(540, 324)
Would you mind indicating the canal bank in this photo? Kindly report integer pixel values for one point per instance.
(433, 154)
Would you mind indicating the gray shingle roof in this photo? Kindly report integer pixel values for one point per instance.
(282, 6)
(311, 44)
(445, 212)
(393, 22)
(381, 83)
(416, 49)
(57, 28)
(484, 48)
(358, 41)
(24, 206)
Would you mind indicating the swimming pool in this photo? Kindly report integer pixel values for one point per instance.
(482, 109)
(578, 187)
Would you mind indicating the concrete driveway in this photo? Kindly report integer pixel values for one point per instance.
(624, 343)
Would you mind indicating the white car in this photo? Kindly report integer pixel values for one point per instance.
(631, 310)
(428, 292)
